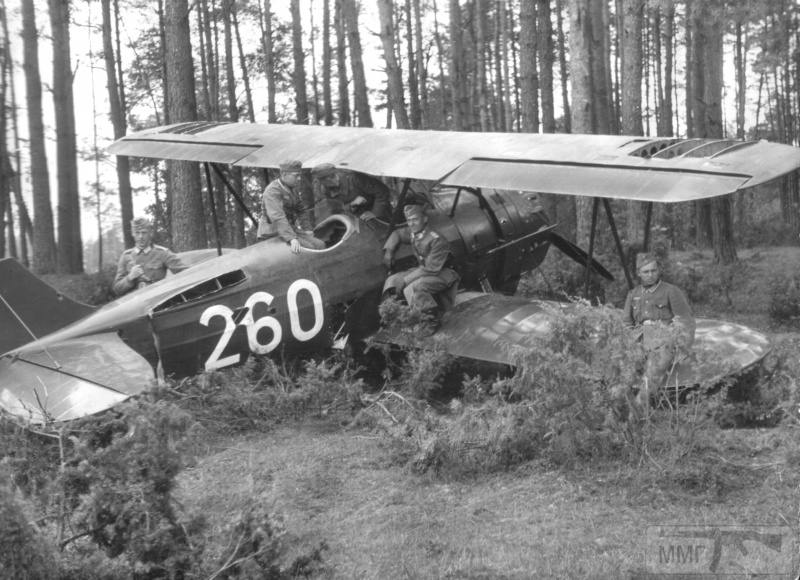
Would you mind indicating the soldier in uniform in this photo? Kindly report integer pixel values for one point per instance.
(420, 285)
(144, 263)
(284, 213)
(661, 314)
(338, 190)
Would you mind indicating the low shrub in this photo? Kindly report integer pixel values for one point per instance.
(94, 289)
(24, 551)
(571, 402)
(261, 394)
(119, 494)
(257, 549)
(784, 301)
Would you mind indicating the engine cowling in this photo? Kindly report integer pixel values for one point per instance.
(482, 231)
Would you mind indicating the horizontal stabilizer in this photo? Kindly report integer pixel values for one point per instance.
(30, 308)
(71, 379)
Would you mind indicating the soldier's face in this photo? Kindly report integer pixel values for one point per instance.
(331, 182)
(290, 178)
(142, 237)
(649, 274)
(416, 223)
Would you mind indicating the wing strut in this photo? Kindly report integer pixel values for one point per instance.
(235, 194)
(210, 189)
(648, 215)
(617, 242)
(592, 232)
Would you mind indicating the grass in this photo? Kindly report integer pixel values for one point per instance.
(381, 521)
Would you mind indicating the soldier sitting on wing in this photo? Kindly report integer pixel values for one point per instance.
(284, 213)
(661, 315)
(337, 190)
(430, 277)
(146, 262)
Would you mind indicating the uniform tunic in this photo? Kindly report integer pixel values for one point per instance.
(662, 303)
(284, 214)
(653, 311)
(154, 260)
(421, 284)
(351, 186)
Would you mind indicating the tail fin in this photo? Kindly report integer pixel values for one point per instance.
(30, 308)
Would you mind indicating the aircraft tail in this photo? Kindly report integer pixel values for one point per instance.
(30, 308)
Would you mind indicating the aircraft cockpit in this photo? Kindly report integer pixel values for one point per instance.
(334, 230)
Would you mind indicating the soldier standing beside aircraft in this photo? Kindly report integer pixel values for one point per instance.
(283, 212)
(352, 191)
(146, 262)
(661, 314)
(420, 285)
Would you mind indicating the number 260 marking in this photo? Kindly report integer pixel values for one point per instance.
(254, 326)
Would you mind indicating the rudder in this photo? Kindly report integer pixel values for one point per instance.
(29, 306)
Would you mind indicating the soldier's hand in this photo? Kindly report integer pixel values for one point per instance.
(135, 273)
(295, 246)
(388, 259)
(360, 200)
(366, 216)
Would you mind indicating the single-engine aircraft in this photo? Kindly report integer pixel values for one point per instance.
(65, 360)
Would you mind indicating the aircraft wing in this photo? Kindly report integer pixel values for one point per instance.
(623, 167)
(72, 378)
(488, 327)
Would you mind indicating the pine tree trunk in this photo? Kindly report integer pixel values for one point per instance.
(25, 223)
(631, 105)
(665, 125)
(415, 116)
(546, 53)
(187, 216)
(458, 76)
(393, 73)
(327, 98)
(562, 65)
(360, 99)
(299, 75)
(422, 71)
(70, 246)
(248, 91)
(529, 79)
(440, 60)
(343, 107)
(480, 63)
(265, 22)
(119, 124)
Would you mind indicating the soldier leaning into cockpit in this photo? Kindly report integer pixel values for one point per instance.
(283, 212)
(337, 190)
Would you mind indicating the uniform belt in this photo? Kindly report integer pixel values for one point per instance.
(653, 322)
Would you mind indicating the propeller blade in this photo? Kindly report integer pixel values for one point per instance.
(579, 255)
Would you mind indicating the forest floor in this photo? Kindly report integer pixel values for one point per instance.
(340, 486)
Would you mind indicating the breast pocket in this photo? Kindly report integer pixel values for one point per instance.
(663, 311)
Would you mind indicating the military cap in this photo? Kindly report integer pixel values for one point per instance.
(290, 166)
(414, 210)
(644, 259)
(141, 223)
(323, 170)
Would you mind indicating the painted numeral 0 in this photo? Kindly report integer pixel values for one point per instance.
(254, 326)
